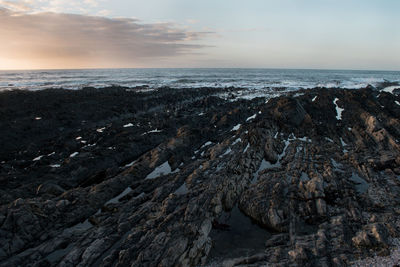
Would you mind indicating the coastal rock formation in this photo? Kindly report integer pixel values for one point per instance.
(188, 177)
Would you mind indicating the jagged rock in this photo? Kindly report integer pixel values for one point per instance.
(145, 178)
(373, 236)
(49, 188)
(289, 111)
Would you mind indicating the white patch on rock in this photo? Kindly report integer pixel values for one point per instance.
(206, 144)
(237, 141)
(229, 150)
(161, 170)
(38, 158)
(128, 125)
(182, 190)
(251, 117)
(361, 185)
(304, 177)
(100, 130)
(263, 166)
(315, 98)
(235, 128)
(152, 131)
(117, 198)
(343, 143)
(339, 110)
(74, 154)
(397, 102)
(131, 164)
(305, 139)
(55, 165)
(247, 147)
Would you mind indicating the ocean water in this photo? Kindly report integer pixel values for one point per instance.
(182, 78)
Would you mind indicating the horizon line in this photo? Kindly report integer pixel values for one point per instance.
(244, 68)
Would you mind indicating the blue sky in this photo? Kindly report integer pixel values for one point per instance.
(352, 34)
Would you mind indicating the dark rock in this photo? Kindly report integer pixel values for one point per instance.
(105, 187)
(49, 188)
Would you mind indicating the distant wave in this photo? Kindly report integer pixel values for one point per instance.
(258, 79)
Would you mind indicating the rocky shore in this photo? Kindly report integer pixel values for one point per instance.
(184, 177)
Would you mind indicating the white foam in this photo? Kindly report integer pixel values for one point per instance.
(298, 94)
(338, 110)
(235, 128)
(128, 125)
(100, 130)
(397, 102)
(38, 118)
(78, 138)
(390, 89)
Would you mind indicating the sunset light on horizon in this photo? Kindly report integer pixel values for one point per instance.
(57, 34)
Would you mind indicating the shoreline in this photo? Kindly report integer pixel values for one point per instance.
(111, 176)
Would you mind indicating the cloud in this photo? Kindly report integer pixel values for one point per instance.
(68, 38)
(19, 6)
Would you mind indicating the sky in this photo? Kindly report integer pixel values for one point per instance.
(311, 34)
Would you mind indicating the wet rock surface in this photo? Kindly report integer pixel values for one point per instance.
(121, 177)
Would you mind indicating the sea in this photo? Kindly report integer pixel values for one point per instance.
(251, 79)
